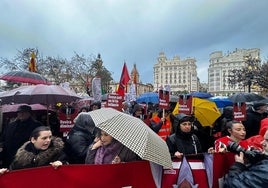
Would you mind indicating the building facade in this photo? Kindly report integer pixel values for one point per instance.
(180, 74)
(220, 67)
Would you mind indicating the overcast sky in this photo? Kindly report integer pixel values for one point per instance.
(134, 31)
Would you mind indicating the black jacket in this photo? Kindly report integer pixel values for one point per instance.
(80, 138)
(14, 136)
(241, 176)
(186, 144)
(253, 122)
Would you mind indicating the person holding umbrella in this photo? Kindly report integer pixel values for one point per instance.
(17, 133)
(107, 150)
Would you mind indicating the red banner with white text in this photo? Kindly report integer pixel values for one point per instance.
(205, 172)
(132, 174)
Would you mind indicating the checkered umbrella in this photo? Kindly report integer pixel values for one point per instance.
(134, 134)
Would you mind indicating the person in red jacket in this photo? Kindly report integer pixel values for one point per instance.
(237, 133)
(160, 124)
(254, 141)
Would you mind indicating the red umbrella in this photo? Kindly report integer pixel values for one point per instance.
(25, 77)
(39, 94)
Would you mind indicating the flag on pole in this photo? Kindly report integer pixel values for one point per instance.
(32, 63)
(123, 81)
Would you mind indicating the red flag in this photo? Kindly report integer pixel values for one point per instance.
(123, 81)
(32, 64)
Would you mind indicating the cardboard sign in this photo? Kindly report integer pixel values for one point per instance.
(163, 99)
(66, 116)
(185, 104)
(114, 101)
(239, 111)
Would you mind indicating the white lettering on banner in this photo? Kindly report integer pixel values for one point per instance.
(66, 122)
(113, 104)
(171, 171)
(118, 97)
(193, 165)
(184, 109)
(239, 115)
(66, 126)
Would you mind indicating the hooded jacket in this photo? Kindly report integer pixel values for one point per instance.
(79, 138)
(186, 143)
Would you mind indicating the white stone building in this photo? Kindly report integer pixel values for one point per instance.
(180, 74)
(220, 67)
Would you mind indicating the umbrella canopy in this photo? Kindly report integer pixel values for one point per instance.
(38, 94)
(134, 134)
(245, 97)
(24, 77)
(205, 111)
(221, 101)
(201, 95)
(151, 97)
(154, 98)
(6, 108)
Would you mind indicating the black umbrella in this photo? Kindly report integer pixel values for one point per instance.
(246, 97)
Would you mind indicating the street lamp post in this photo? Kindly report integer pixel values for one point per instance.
(249, 82)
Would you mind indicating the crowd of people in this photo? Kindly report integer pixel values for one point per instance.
(27, 143)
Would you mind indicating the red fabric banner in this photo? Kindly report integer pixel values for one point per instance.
(123, 81)
(132, 174)
(199, 175)
(221, 165)
(136, 174)
(208, 172)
